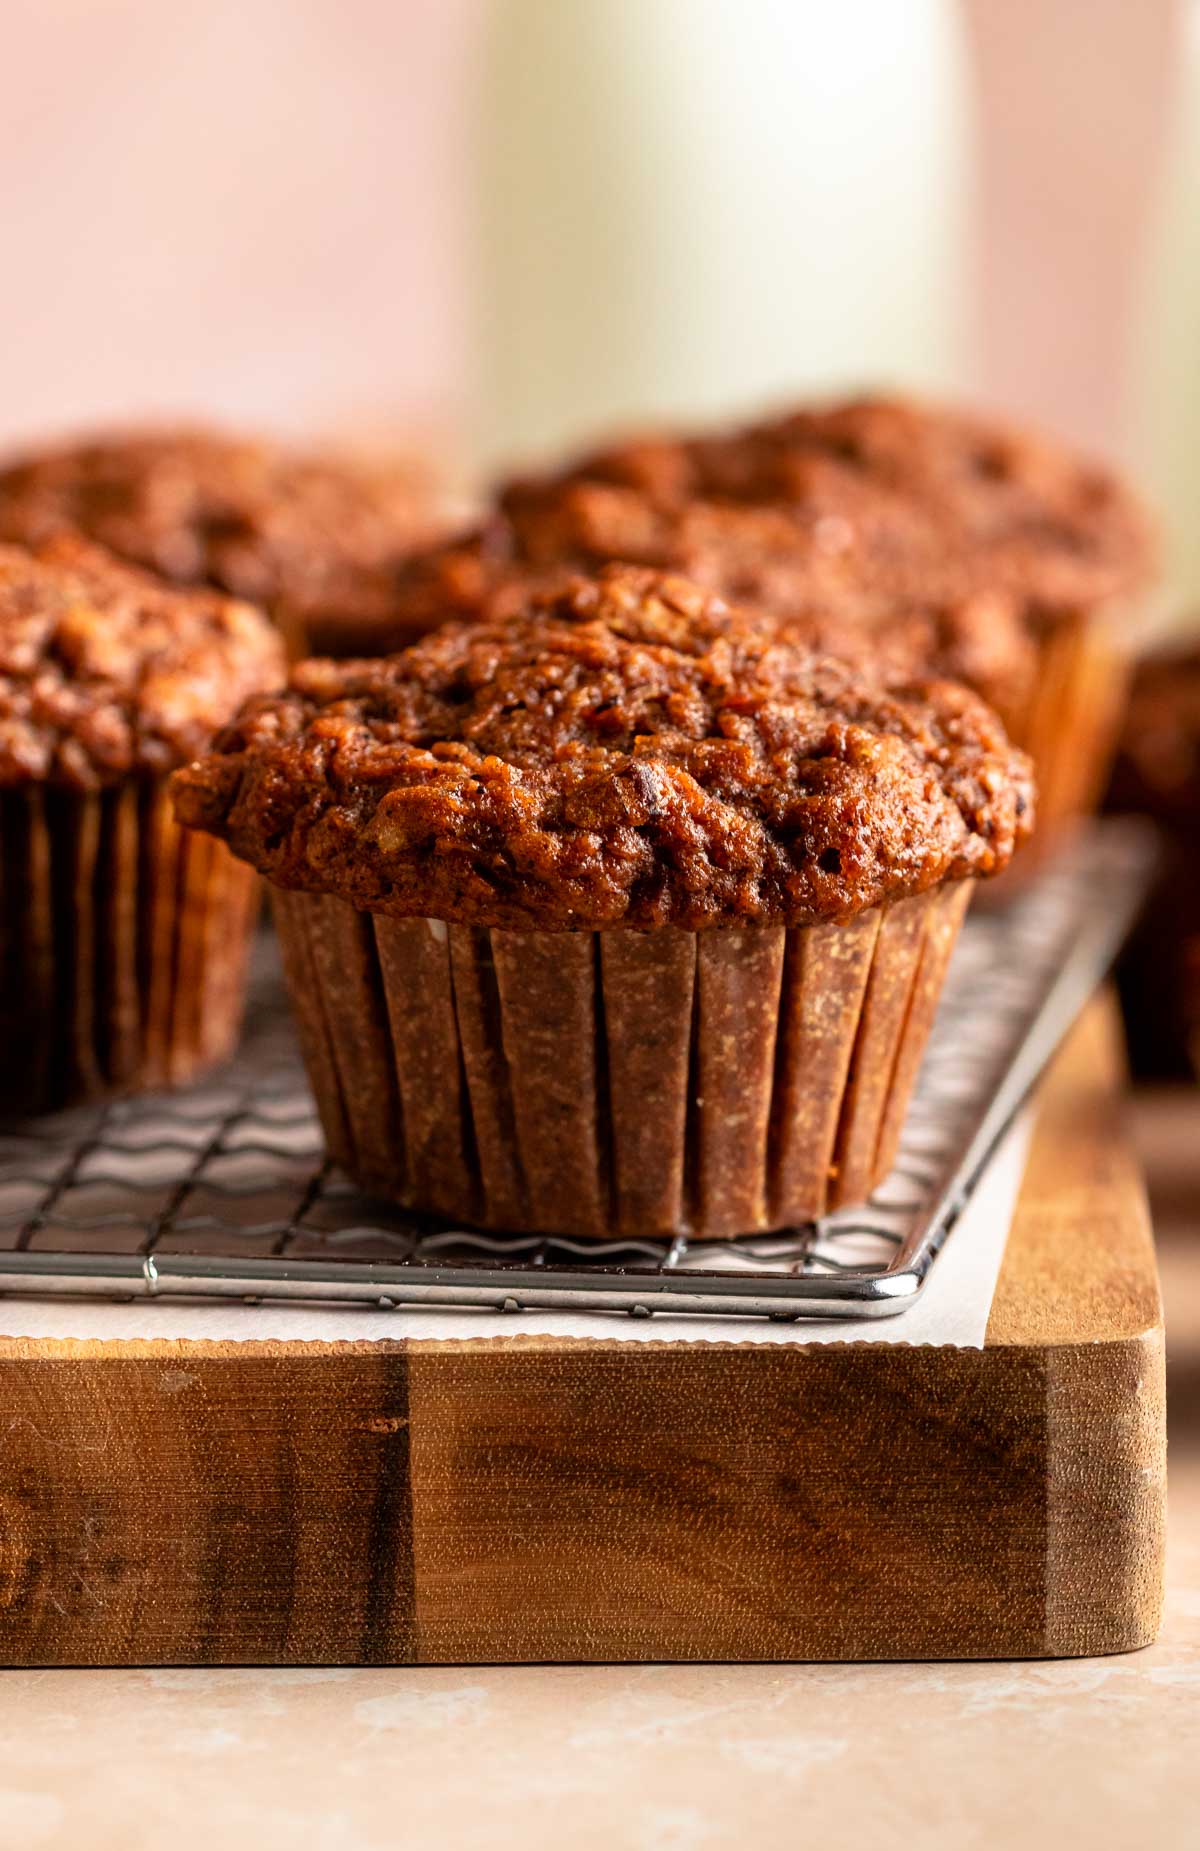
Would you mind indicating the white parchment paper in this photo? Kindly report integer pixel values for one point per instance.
(952, 1309)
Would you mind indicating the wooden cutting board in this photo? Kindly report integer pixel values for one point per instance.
(537, 1499)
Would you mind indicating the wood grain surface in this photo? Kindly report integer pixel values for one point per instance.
(537, 1499)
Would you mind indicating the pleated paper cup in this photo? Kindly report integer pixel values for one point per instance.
(1070, 719)
(123, 943)
(620, 1082)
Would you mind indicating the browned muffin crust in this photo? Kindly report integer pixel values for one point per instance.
(923, 498)
(104, 670)
(843, 542)
(315, 539)
(628, 752)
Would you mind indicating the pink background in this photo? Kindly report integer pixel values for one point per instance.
(263, 211)
(241, 206)
(1074, 104)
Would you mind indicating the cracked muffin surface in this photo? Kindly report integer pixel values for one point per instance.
(105, 669)
(626, 750)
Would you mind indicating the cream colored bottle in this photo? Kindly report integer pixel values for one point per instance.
(690, 207)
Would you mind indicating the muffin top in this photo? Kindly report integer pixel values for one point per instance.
(315, 539)
(922, 499)
(1158, 766)
(104, 670)
(625, 751)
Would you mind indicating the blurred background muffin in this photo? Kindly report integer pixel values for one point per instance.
(1041, 558)
(314, 538)
(122, 938)
(1026, 566)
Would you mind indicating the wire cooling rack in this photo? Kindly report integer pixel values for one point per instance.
(223, 1190)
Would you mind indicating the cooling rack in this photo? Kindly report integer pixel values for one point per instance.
(223, 1190)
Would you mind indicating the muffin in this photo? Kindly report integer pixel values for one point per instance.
(1030, 562)
(123, 939)
(316, 540)
(1157, 774)
(623, 915)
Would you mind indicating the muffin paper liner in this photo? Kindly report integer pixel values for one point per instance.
(1070, 721)
(123, 943)
(616, 1083)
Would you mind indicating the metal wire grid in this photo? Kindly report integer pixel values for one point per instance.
(224, 1189)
